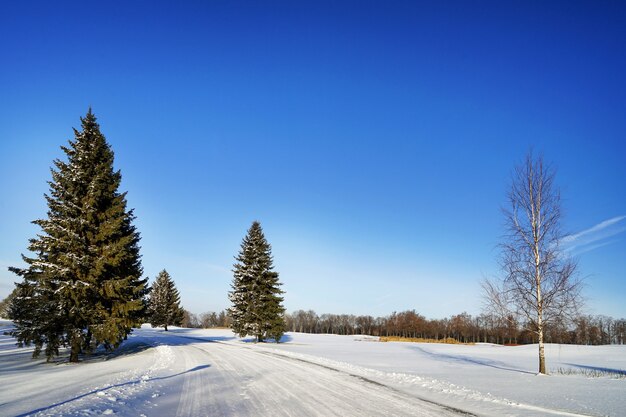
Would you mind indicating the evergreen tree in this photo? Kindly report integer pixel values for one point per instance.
(83, 286)
(165, 306)
(256, 295)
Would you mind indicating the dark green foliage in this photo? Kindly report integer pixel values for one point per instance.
(256, 295)
(164, 304)
(83, 286)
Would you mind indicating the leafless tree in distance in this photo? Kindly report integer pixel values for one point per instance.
(539, 282)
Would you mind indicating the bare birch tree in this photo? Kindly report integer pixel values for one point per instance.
(539, 282)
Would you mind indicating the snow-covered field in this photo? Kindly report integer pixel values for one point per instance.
(188, 372)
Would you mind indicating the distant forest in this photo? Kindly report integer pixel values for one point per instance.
(464, 328)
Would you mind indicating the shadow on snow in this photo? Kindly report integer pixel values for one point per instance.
(598, 369)
(284, 339)
(473, 361)
(138, 381)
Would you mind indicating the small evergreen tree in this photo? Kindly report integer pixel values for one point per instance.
(165, 306)
(83, 286)
(256, 295)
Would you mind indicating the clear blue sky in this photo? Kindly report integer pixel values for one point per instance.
(373, 141)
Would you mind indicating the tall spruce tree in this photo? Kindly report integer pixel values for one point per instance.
(165, 306)
(82, 287)
(256, 295)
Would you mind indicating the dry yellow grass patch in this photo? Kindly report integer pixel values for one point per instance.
(449, 340)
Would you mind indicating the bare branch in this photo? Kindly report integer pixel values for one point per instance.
(539, 282)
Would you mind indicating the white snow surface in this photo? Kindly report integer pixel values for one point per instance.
(185, 372)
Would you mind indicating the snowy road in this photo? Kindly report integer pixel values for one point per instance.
(241, 381)
(182, 376)
(194, 372)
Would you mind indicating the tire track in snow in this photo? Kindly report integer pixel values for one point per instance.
(241, 381)
(359, 372)
(371, 381)
(352, 387)
(374, 377)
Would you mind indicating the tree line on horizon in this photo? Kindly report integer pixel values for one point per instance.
(463, 327)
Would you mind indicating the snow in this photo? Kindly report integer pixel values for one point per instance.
(185, 372)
